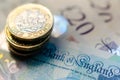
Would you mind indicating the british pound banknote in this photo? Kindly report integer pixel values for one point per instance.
(85, 21)
(80, 29)
(58, 62)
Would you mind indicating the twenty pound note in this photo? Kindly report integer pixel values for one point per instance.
(57, 62)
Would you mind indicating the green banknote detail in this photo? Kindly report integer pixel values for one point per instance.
(54, 62)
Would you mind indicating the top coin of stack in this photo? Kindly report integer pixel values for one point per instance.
(29, 26)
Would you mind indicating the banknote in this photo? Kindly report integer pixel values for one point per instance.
(108, 12)
(84, 22)
(58, 62)
(84, 48)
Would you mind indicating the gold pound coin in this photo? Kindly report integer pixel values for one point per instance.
(22, 46)
(30, 22)
(20, 52)
(28, 28)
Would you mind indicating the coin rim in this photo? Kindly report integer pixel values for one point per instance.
(22, 46)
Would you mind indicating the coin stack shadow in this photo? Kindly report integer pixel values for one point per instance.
(28, 28)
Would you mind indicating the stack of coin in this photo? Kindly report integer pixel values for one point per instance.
(28, 28)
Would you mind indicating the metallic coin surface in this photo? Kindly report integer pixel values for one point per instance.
(30, 21)
(22, 46)
(19, 52)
